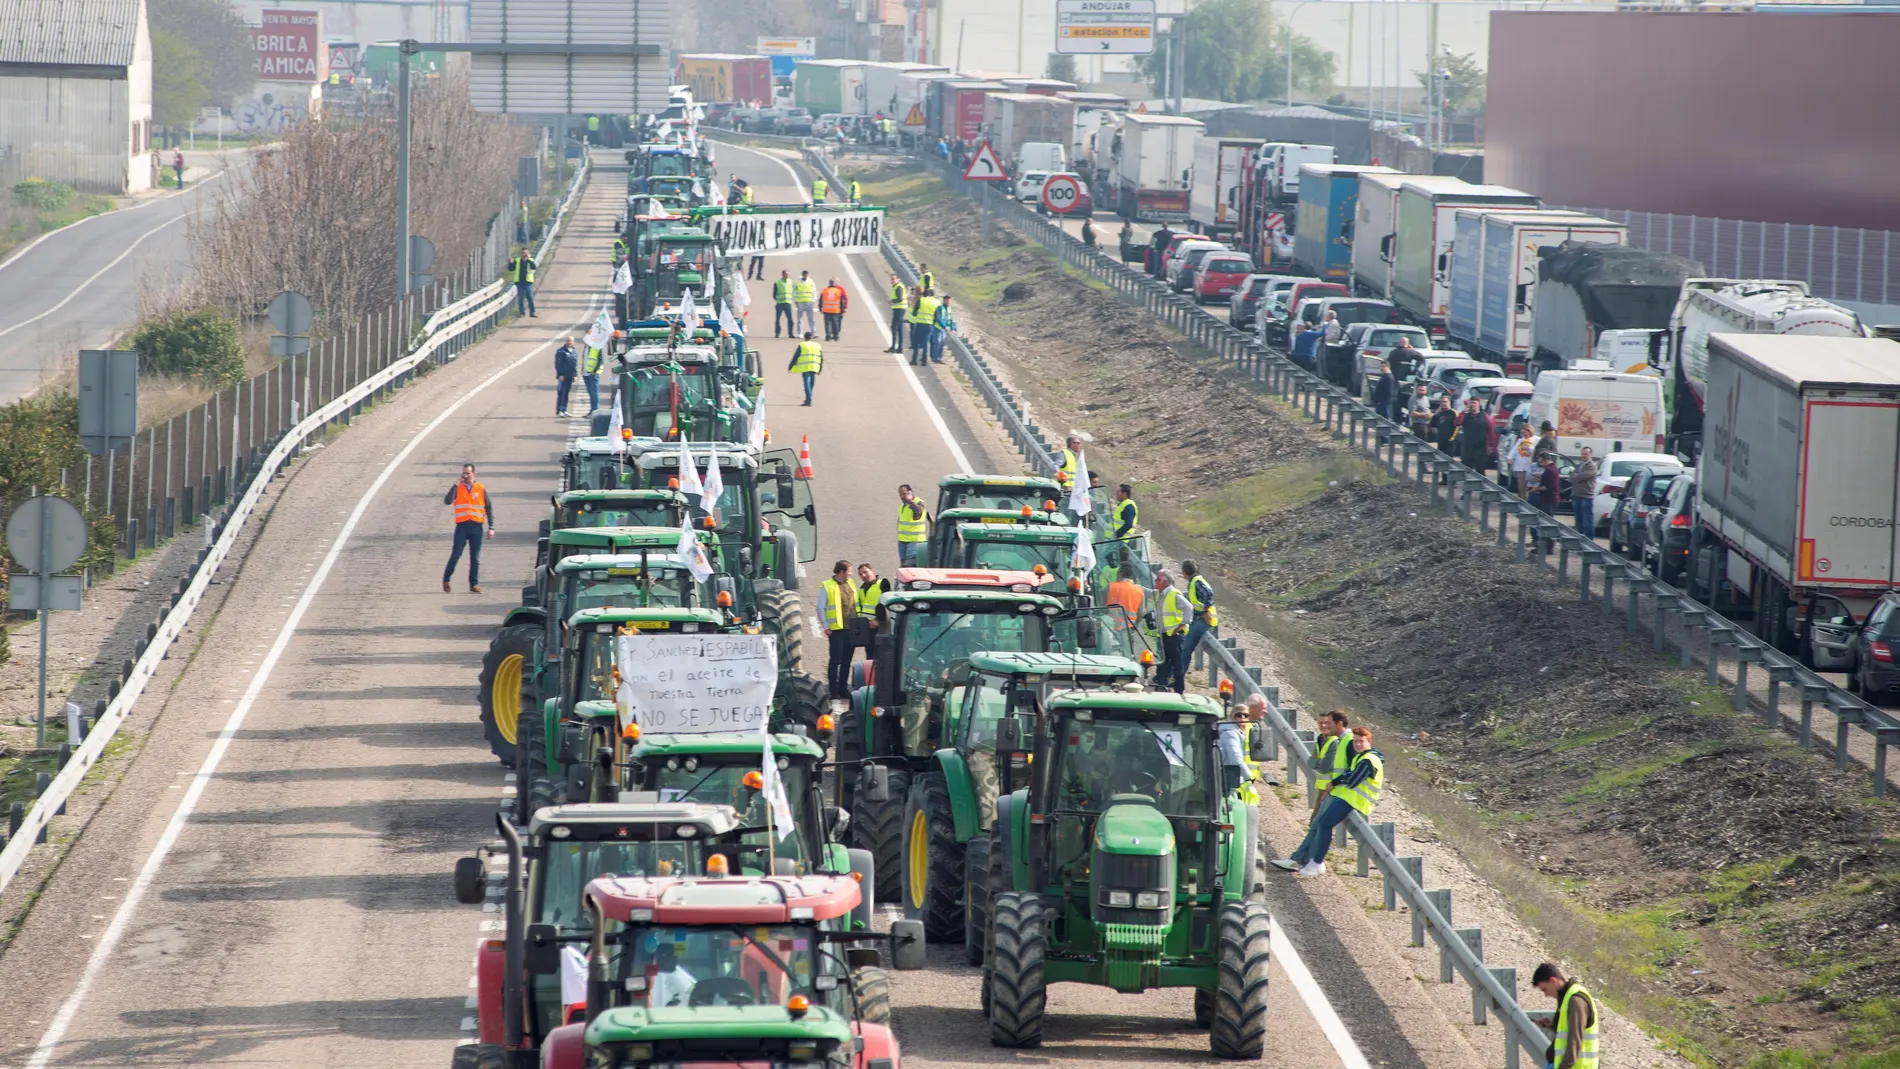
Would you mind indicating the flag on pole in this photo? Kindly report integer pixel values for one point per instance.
(729, 322)
(1084, 552)
(693, 553)
(755, 434)
(689, 312)
(711, 486)
(1079, 502)
(689, 475)
(614, 426)
(601, 332)
(623, 278)
(782, 823)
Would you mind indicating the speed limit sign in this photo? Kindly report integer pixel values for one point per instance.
(1060, 193)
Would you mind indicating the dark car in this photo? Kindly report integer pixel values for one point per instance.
(1246, 300)
(1666, 543)
(1867, 649)
(1629, 520)
(1339, 361)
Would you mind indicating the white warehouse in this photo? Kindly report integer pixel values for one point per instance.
(76, 94)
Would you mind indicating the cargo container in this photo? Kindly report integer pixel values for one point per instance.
(1155, 167)
(1214, 199)
(1605, 302)
(1016, 119)
(829, 86)
(1491, 311)
(1046, 87)
(1328, 207)
(716, 78)
(1374, 231)
(955, 110)
(881, 82)
(913, 100)
(1421, 250)
(1796, 488)
(1280, 163)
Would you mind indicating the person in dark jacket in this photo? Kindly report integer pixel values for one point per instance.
(567, 364)
(1544, 484)
(1473, 437)
(1156, 246)
(1383, 390)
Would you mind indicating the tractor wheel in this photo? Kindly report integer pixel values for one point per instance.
(533, 789)
(1240, 1002)
(808, 702)
(847, 751)
(879, 828)
(788, 609)
(933, 860)
(1256, 858)
(478, 1056)
(1203, 1008)
(1016, 986)
(506, 669)
(874, 994)
(976, 897)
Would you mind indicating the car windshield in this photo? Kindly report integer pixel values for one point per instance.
(1227, 266)
(754, 965)
(1382, 339)
(668, 166)
(1620, 469)
(623, 514)
(1656, 489)
(1456, 375)
(1481, 393)
(1257, 288)
(1362, 313)
(698, 779)
(1163, 760)
(660, 585)
(1511, 402)
(1005, 498)
(1019, 557)
(732, 499)
(934, 641)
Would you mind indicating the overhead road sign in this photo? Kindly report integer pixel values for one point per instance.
(568, 57)
(1105, 27)
(984, 166)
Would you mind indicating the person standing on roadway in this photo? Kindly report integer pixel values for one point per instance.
(590, 377)
(178, 168)
(857, 191)
(473, 512)
(567, 364)
(1385, 392)
(805, 296)
(1175, 610)
(1583, 491)
(940, 330)
(900, 308)
(870, 589)
(807, 360)
(913, 527)
(782, 304)
(819, 187)
(1356, 791)
(923, 317)
(1473, 437)
(1065, 475)
(1576, 1027)
(838, 604)
(521, 273)
(925, 280)
(1200, 594)
(1126, 513)
(833, 302)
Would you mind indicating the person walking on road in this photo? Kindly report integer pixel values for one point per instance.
(178, 168)
(1175, 612)
(805, 296)
(807, 360)
(782, 304)
(590, 377)
(832, 301)
(567, 364)
(1583, 492)
(473, 512)
(521, 273)
(838, 604)
(1575, 1027)
(819, 187)
(1357, 790)
(1126, 513)
(940, 330)
(1200, 594)
(900, 311)
(913, 527)
(1331, 751)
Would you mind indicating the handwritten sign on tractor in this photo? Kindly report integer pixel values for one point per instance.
(695, 684)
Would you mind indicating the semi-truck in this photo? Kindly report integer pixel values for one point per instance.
(1605, 302)
(1097, 118)
(1796, 485)
(881, 81)
(1328, 206)
(1155, 167)
(914, 90)
(1018, 119)
(1278, 164)
(1494, 274)
(1374, 227)
(955, 108)
(1421, 264)
(718, 78)
(1214, 199)
(829, 86)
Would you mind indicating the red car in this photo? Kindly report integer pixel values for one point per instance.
(1220, 274)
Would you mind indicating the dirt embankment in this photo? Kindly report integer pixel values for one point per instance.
(1736, 895)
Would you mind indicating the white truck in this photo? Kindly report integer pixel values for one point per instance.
(881, 86)
(1798, 485)
(1214, 200)
(1374, 226)
(1282, 160)
(1016, 121)
(1156, 166)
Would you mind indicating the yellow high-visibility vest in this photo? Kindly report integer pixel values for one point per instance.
(809, 357)
(1366, 795)
(833, 598)
(1174, 611)
(899, 296)
(1587, 1057)
(926, 310)
(805, 291)
(819, 187)
(1195, 586)
(1333, 750)
(911, 529)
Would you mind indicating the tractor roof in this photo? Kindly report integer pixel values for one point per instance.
(613, 538)
(622, 564)
(724, 900)
(1004, 516)
(723, 742)
(970, 579)
(699, 1024)
(1152, 705)
(615, 614)
(640, 496)
(658, 454)
(587, 820)
(1056, 664)
(1025, 481)
(1015, 532)
(653, 355)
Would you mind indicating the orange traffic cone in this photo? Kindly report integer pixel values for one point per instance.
(804, 456)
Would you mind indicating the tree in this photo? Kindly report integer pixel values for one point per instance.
(215, 30)
(178, 87)
(1061, 67)
(1463, 88)
(1235, 54)
(1313, 69)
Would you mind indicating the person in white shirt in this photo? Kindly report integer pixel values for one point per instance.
(1333, 327)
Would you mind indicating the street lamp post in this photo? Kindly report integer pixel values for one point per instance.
(1287, 30)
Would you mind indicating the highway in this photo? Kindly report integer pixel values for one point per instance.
(269, 881)
(79, 287)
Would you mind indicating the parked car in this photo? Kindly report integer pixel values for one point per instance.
(1181, 274)
(1084, 206)
(1666, 543)
(1219, 275)
(1629, 520)
(1340, 367)
(1873, 671)
(1281, 295)
(1379, 341)
(1246, 300)
(1304, 317)
(1444, 376)
(1028, 187)
(1614, 469)
(792, 122)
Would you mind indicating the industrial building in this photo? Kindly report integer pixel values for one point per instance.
(76, 94)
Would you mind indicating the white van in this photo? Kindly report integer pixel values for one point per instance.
(1609, 411)
(1046, 156)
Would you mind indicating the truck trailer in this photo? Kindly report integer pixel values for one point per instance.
(1494, 274)
(1605, 302)
(1796, 486)
(1017, 119)
(1374, 231)
(1214, 199)
(829, 86)
(1323, 231)
(715, 78)
(955, 108)
(1421, 260)
(881, 86)
(1155, 167)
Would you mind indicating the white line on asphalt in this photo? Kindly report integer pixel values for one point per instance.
(116, 260)
(18, 253)
(870, 309)
(148, 873)
(1329, 1023)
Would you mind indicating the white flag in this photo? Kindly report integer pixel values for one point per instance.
(712, 486)
(1079, 502)
(573, 976)
(755, 435)
(623, 278)
(699, 189)
(601, 332)
(782, 823)
(1084, 551)
(689, 475)
(654, 207)
(693, 553)
(729, 322)
(614, 427)
(689, 312)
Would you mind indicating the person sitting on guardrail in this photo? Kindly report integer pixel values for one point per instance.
(1357, 791)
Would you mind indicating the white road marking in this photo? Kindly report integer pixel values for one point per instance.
(1309, 991)
(148, 873)
(28, 247)
(116, 260)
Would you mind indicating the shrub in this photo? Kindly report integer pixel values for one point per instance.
(198, 344)
(41, 195)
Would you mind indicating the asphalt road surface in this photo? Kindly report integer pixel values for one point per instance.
(269, 883)
(78, 287)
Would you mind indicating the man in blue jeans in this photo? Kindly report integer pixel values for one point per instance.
(473, 512)
(1357, 790)
(1200, 595)
(567, 364)
(521, 273)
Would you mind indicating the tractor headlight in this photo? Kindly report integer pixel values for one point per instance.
(692, 764)
(1120, 899)
(802, 1051)
(1151, 900)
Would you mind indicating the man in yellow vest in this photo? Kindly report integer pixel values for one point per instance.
(870, 590)
(807, 361)
(857, 191)
(913, 527)
(819, 187)
(1357, 790)
(473, 512)
(838, 606)
(923, 320)
(805, 297)
(590, 376)
(1200, 594)
(1175, 610)
(521, 273)
(900, 309)
(1331, 752)
(620, 250)
(925, 278)
(1238, 771)
(782, 288)
(1066, 473)
(1576, 1026)
(1126, 513)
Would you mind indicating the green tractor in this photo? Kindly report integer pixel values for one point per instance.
(767, 523)
(955, 800)
(942, 551)
(1122, 862)
(594, 463)
(678, 393)
(667, 257)
(1006, 493)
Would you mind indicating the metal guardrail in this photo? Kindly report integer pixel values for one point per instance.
(448, 328)
(1460, 949)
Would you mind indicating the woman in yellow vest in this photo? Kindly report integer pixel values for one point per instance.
(1357, 791)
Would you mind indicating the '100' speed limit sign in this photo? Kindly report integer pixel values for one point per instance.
(1060, 192)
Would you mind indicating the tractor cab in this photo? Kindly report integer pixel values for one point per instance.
(594, 463)
(941, 551)
(1006, 493)
(761, 489)
(618, 508)
(678, 393)
(563, 849)
(1014, 547)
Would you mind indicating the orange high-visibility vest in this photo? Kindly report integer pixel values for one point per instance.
(832, 299)
(471, 506)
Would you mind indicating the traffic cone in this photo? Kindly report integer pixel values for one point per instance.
(804, 456)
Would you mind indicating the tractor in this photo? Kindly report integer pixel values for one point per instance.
(759, 487)
(668, 257)
(1007, 493)
(955, 800)
(549, 863)
(739, 971)
(594, 463)
(677, 393)
(941, 551)
(1118, 860)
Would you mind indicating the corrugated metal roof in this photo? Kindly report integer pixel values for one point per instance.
(98, 33)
